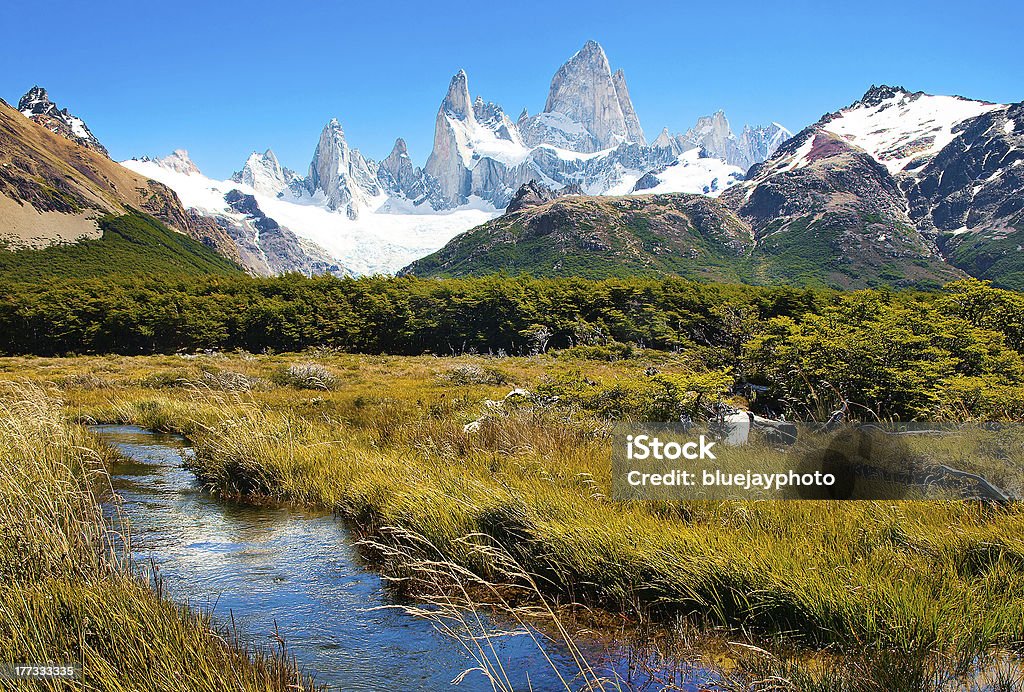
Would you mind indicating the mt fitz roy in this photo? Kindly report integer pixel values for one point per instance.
(480, 152)
(352, 215)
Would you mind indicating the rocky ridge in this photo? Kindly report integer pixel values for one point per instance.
(909, 177)
(37, 107)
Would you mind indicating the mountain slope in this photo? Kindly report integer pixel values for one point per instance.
(318, 239)
(842, 244)
(823, 209)
(131, 243)
(970, 197)
(902, 179)
(37, 107)
(54, 190)
(352, 214)
(598, 237)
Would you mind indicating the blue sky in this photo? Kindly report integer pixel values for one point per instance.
(224, 78)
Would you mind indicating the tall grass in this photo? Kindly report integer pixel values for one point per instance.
(68, 592)
(918, 578)
(904, 590)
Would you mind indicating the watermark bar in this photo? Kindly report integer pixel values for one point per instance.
(745, 457)
(38, 671)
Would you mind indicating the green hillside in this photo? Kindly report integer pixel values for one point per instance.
(691, 236)
(133, 243)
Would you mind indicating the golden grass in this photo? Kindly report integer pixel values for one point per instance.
(899, 581)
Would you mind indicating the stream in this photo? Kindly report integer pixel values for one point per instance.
(298, 571)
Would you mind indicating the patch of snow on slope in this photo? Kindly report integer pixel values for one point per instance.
(906, 127)
(695, 175)
(376, 243)
(78, 127)
(801, 157)
(560, 121)
(1008, 126)
(477, 141)
(627, 181)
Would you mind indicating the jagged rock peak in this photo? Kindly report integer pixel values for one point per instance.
(37, 107)
(346, 180)
(36, 102)
(400, 148)
(876, 94)
(533, 193)
(179, 161)
(583, 89)
(264, 173)
(266, 160)
(456, 102)
(398, 176)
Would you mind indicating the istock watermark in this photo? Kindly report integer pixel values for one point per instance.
(891, 461)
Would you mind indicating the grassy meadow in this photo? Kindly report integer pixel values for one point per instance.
(899, 590)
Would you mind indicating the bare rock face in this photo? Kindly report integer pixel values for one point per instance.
(398, 175)
(970, 197)
(340, 174)
(757, 144)
(713, 134)
(37, 106)
(588, 108)
(634, 132)
(675, 144)
(532, 194)
(583, 89)
(446, 163)
(267, 248)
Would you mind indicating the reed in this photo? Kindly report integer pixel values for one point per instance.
(69, 594)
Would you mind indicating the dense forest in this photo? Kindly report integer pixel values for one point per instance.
(903, 353)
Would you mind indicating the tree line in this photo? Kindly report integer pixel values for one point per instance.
(910, 354)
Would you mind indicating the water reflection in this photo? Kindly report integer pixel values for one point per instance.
(268, 565)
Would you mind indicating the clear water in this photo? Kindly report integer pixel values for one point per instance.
(267, 567)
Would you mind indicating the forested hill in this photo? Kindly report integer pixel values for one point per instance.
(133, 243)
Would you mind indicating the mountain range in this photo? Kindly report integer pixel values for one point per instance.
(355, 215)
(899, 188)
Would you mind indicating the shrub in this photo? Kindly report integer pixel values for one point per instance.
(306, 376)
(472, 373)
(611, 352)
(660, 397)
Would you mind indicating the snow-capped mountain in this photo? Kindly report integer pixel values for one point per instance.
(340, 177)
(691, 172)
(37, 106)
(588, 135)
(903, 175)
(713, 134)
(350, 213)
(595, 104)
(178, 161)
(902, 130)
(264, 246)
